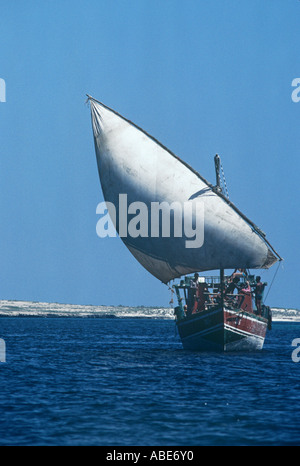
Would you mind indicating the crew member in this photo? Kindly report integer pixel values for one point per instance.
(258, 291)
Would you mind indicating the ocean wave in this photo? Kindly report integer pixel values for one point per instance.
(41, 309)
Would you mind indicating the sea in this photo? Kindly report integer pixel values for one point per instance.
(118, 376)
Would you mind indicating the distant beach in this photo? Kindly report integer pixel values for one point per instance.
(10, 308)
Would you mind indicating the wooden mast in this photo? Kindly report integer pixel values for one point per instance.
(218, 186)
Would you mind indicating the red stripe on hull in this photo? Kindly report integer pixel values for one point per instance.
(246, 322)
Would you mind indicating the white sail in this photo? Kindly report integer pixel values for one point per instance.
(136, 166)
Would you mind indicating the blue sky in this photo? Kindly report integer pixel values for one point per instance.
(202, 77)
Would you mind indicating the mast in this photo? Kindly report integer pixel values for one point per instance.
(219, 189)
(218, 178)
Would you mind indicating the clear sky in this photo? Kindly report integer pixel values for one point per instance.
(203, 77)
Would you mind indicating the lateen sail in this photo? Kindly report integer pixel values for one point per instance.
(133, 163)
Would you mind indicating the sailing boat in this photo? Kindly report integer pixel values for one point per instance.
(206, 232)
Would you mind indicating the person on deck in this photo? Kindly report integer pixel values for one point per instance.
(240, 273)
(258, 291)
(229, 291)
(232, 286)
(195, 281)
(246, 287)
(192, 294)
(244, 291)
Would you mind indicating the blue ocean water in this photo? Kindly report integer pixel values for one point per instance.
(117, 381)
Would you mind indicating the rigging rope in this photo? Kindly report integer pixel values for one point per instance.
(272, 281)
(224, 181)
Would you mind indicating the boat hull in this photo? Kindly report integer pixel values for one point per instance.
(223, 329)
